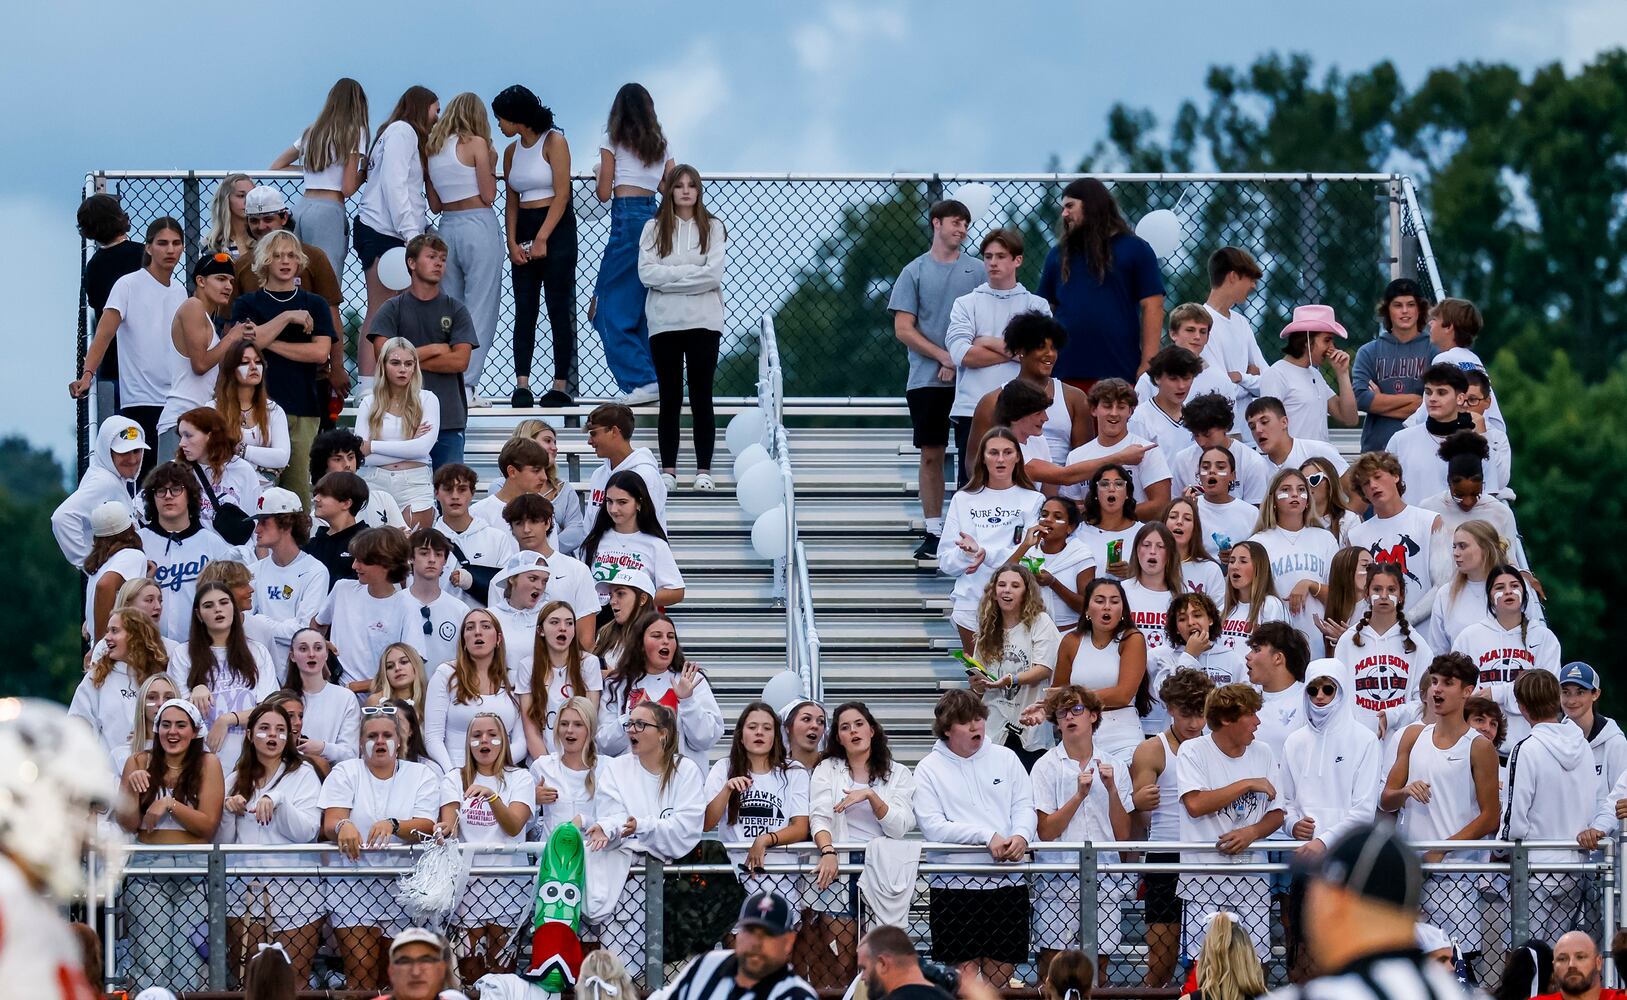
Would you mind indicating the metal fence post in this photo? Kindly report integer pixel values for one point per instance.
(192, 214)
(1608, 904)
(217, 920)
(1395, 229)
(654, 926)
(1519, 893)
(1089, 893)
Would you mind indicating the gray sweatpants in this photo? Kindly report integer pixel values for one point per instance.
(323, 225)
(475, 260)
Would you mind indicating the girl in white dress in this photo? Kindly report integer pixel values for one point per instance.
(1107, 655)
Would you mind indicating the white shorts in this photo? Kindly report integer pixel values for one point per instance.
(1054, 914)
(412, 488)
(282, 904)
(366, 901)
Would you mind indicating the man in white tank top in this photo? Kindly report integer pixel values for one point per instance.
(1444, 784)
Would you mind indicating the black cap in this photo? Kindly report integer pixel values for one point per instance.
(767, 911)
(1373, 861)
(1403, 286)
(213, 263)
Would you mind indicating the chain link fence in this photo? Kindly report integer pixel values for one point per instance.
(190, 918)
(820, 253)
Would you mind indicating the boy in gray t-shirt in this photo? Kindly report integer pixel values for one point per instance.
(922, 297)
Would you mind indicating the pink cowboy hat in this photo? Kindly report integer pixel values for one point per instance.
(1314, 319)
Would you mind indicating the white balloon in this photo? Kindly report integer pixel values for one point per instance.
(976, 197)
(754, 455)
(745, 429)
(1161, 230)
(783, 690)
(768, 537)
(760, 488)
(392, 269)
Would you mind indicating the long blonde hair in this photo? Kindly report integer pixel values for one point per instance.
(505, 761)
(1228, 968)
(141, 731)
(381, 680)
(220, 213)
(584, 706)
(465, 676)
(339, 130)
(1268, 510)
(406, 402)
(464, 117)
(991, 624)
(1493, 550)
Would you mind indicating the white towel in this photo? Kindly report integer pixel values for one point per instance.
(888, 880)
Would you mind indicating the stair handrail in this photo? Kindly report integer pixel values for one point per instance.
(791, 570)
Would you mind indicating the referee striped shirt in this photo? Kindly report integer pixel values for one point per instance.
(711, 977)
(1389, 975)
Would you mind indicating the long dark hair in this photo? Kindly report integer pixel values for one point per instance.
(417, 749)
(542, 667)
(201, 658)
(1092, 238)
(633, 124)
(1125, 628)
(189, 784)
(740, 760)
(634, 664)
(413, 108)
(1374, 571)
(631, 483)
(1503, 569)
(881, 755)
(519, 105)
(249, 768)
(666, 217)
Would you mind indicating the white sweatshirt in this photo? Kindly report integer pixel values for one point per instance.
(995, 519)
(1553, 793)
(685, 286)
(669, 820)
(700, 720)
(1500, 656)
(639, 461)
(984, 312)
(393, 201)
(1385, 674)
(970, 800)
(1330, 766)
(70, 522)
(1609, 763)
(333, 716)
(295, 815)
(109, 708)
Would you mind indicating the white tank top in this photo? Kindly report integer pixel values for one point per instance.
(453, 180)
(187, 389)
(1165, 823)
(1058, 424)
(1094, 669)
(1452, 803)
(529, 172)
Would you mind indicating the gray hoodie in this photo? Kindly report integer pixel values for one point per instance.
(1396, 369)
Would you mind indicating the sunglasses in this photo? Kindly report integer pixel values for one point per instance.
(1320, 689)
(1315, 478)
(372, 710)
(428, 628)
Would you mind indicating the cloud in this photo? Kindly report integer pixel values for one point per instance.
(43, 322)
(690, 94)
(1572, 31)
(829, 45)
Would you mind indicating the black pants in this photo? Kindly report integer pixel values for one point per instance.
(554, 278)
(963, 431)
(672, 352)
(147, 417)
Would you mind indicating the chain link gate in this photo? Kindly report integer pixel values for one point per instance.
(819, 254)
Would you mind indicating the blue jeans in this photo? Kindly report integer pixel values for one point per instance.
(448, 449)
(619, 317)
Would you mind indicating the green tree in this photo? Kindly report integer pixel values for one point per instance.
(46, 596)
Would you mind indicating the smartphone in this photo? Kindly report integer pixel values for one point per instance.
(1115, 550)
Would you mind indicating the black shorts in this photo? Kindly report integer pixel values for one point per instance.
(1163, 902)
(370, 244)
(979, 923)
(929, 414)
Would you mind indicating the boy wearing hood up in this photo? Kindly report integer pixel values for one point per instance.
(1330, 766)
(975, 339)
(115, 465)
(971, 790)
(1553, 794)
(610, 434)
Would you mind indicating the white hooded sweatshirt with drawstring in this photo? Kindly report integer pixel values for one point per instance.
(984, 312)
(1553, 793)
(970, 800)
(1384, 675)
(1330, 766)
(70, 522)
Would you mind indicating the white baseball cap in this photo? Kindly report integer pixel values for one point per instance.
(264, 200)
(634, 578)
(276, 501)
(524, 561)
(417, 935)
(128, 439)
(111, 517)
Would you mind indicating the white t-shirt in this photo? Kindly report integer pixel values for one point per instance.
(1075, 558)
(1148, 610)
(231, 692)
(1226, 524)
(1210, 380)
(1204, 576)
(1201, 766)
(146, 310)
(1304, 394)
(1153, 467)
(1253, 471)
(363, 627)
(1305, 449)
(477, 824)
(1027, 645)
(445, 620)
(772, 801)
(1232, 347)
(413, 792)
(1305, 554)
(560, 688)
(569, 580)
(1404, 539)
(131, 564)
(574, 798)
(1235, 629)
(1149, 422)
(1281, 713)
(1422, 468)
(288, 597)
(620, 551)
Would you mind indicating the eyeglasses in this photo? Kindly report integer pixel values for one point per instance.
(1071, 710)
(637, 725)
(1320, 689)
(380, 710)
(428, 627)
(165, 492)
(1316, 478)
(421, 961)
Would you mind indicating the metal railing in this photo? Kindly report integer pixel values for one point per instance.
(790, 573)
(1092, 900)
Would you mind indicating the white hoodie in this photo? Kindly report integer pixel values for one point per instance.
(984, 312)
(1553, 793)
(1330, 766)
(970, 800)
(1385, 674)
(641, 462)
(70, 522)
(1500, 656)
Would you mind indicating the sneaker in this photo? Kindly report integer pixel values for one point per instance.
(556, 399)
(669, 480)
(643, 394)
(522, 398)
(703, 481)
(928, 549)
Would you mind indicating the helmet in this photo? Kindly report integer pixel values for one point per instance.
(54, 783)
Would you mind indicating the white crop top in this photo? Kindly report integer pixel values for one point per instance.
(453, 180)
(332, 178)
(529, 172)
(632, 173)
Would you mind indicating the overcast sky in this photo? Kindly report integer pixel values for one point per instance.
(865, 85)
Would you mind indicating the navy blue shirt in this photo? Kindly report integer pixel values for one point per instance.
(293, 385)
(1103, 318)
